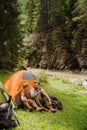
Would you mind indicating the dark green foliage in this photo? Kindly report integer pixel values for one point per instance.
(55, 25)
(60, 24)
(80, 22)
(33, 7)
(10, 34)
(54, 17)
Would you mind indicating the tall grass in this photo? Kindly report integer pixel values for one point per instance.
(42, 77)
(72, 117)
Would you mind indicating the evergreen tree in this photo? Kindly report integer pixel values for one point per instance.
(80, 22)
(10, 34)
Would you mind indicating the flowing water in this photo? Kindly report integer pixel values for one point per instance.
(68, 75)
(73, 77)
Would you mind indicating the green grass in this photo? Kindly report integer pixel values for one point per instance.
(72, 117)
(4, 74)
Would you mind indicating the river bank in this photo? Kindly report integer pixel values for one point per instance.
(73, 77)
(61, 74)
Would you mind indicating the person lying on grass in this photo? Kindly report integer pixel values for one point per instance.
(41, 98)
(27, 101)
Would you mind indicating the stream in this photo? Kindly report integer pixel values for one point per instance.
(68, 75)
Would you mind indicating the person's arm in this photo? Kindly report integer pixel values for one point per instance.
(34, 93)
(23, 98)
(25, 101)
(46, 95)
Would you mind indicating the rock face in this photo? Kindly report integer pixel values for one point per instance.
(60, 58)
(82, 60)
(81, 56)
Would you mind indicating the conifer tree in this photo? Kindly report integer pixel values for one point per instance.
(10, 34)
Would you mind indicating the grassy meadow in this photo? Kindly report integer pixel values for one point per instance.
(72, 117)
